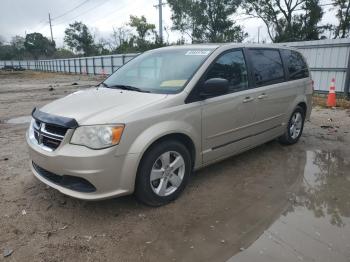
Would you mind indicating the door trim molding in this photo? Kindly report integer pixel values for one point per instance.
(242, 138)
(246, 126)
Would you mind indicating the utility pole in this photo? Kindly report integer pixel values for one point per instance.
(50, 28)
(160, 6)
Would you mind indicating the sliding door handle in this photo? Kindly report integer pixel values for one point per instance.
(262, 96)
(248, 99)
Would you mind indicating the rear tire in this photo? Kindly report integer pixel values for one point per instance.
(163, 173)
(294, 128)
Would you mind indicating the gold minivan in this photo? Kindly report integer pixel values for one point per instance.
(168, 112)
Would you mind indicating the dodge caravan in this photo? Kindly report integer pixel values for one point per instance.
(165, 113)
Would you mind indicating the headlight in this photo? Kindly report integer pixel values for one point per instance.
(97, 137)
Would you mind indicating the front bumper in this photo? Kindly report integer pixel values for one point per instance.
(109, 174)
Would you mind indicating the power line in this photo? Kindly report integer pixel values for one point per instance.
(71, 10)
(105, 16)
(83, 13)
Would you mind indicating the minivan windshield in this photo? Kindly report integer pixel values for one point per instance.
(164, 71)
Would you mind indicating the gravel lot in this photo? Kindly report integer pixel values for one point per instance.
(272, 203)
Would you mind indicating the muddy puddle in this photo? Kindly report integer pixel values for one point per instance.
(316, 224)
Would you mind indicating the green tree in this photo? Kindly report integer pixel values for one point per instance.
(207, 20)
(6, 52)
(17, 44)
(342, 29)
(39, 46)
(79, 39)
(309, 20)
(141, 26)
(146, 37)
(63, 53)
(292, 20)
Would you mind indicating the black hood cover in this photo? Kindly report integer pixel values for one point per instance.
(54, 120)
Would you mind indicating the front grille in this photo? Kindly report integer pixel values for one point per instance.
(48, 135)
(71, 182)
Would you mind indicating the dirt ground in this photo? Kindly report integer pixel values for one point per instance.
(272, 203)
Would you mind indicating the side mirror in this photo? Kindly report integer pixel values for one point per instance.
(214, 87)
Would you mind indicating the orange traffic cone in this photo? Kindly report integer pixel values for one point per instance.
(331, 100)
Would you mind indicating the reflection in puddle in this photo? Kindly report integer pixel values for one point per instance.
(19, 120)
(316, 226)
(326, 186)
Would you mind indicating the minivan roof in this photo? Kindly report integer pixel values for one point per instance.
(233, 45)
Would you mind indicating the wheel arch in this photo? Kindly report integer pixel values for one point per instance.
(176, 136)
(303, 106)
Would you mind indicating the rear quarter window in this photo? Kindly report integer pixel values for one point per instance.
(296, 65)
(267, 66)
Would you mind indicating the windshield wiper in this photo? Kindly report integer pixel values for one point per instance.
(102, 84)
(126, 87)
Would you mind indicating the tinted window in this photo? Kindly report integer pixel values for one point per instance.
(296, 65)
(267, 66)
(230, 66)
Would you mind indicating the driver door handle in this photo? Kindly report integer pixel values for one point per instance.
(248, 99)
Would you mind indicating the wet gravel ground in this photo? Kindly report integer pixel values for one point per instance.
(272, 203)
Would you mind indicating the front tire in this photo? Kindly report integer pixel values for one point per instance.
(163, 173)
(294, 128)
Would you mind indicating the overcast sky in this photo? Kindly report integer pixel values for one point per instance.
(20, 16)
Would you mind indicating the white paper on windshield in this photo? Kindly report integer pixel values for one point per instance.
(198, 52)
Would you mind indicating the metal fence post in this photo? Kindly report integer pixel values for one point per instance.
(86, 66)
(347, 80)
(93, 65)
(80, 65)
(75, 66)
(112, 65)
(103, 68)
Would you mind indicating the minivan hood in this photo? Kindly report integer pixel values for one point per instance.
(100, 105)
